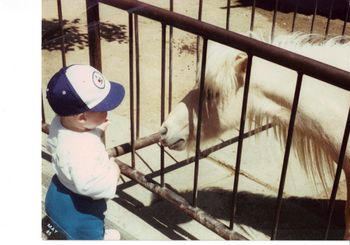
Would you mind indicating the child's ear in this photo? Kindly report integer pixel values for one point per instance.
(81, 117)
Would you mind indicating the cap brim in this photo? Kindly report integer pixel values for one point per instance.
(112, 100)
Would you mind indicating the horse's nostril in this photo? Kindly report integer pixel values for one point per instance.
(163, 130)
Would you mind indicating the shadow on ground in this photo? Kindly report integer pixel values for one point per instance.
(301, 218)
(304, 7)
(74, 37)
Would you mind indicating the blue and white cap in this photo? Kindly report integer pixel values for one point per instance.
(80, 88)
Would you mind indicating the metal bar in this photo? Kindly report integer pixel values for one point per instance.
(329, 17)
(93, 20)
(93, 23)
(200, 10)
(60, 22)
(274, 20)
(252, 16)
(199, 123)
(286, 155)
(307, 66)
(314, 16)
(131, 84)
(162, 103)
(43, 119)
(180, 202)
(337, 175)
(228, 10)
(170, 89)
(137, 66)
(240, 139)
(346, 18)
(295, 14)
(197, 42)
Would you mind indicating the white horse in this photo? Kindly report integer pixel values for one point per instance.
(322, 109)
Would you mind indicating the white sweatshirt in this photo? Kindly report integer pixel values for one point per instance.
(81, 161)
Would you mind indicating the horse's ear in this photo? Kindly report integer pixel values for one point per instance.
(240, 68)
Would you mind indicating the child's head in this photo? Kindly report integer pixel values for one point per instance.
(78, 89)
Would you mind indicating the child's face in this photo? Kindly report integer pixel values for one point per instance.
(93, 119)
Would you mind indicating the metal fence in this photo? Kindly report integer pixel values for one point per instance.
(169, 19)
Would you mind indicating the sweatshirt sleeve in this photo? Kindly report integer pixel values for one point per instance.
(94, 174)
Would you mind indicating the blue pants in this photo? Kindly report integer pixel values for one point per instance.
(77, 217)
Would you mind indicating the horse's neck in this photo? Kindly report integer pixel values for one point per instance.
(275, 85)
(321, 116)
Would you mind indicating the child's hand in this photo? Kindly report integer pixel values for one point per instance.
(103, 126)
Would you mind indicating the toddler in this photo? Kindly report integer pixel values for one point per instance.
(84, 177)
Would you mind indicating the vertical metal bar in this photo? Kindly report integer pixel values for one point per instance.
(199, 123)
(228, 10)
(286, 155)
(93, 23)
(93, 20)
(170, 89)
(329, 17)
(137, 64)
(240, 139)
(200, 9)
(131, 84)
(314, 16)
(162, 110)
(252, 16)
(295, 14)
(60, 22)
(199, 18)
(43, 119)
(274, 20)
(337, 175)
(346, 18)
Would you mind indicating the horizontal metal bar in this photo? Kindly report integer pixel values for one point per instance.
(260, 49)
(181, 203)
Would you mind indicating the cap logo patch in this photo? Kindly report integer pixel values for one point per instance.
(98, 80)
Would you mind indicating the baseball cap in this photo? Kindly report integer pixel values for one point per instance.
(80, 88)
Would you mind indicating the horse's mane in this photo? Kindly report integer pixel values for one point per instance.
(310, 142)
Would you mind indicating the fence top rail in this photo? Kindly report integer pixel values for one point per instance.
(299, 63)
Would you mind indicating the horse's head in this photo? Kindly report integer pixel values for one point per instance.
(225, 70)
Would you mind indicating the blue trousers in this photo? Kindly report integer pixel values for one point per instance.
(77, 217)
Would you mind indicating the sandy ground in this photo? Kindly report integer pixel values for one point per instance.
(114, 45)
